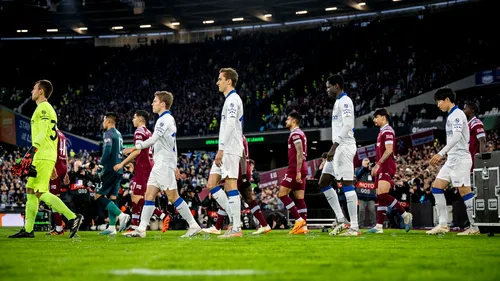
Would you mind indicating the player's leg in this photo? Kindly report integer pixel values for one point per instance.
(30, 212)
(137, 198)
(55, 189)
(249, 198)
(331, 195)
(230, 172)
(109, 187)
(344, 169)
(147, 210)
(219, 223)
(385, 200)
(459, 176)
(442, 180)
(217, 191)
(287, 185)
(300, 202)
(170, 187)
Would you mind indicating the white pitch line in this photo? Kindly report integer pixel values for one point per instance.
(165, 272)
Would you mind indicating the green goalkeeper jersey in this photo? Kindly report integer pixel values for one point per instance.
(44, 132)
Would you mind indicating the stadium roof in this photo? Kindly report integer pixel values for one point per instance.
(99, 17)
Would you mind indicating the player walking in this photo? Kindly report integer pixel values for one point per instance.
(456, 169)
(477, 144)
(106, 193)
(230, 149)
(164, 173)
(61, 170)
(295, 177)
(342, 153)
(40, 160)
(245, 189)
(384, 172)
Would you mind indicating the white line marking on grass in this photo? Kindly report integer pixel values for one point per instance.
(164, 272)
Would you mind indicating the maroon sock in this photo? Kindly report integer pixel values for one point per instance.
(157, 212)
(257, 213)
(394, 204)
(301, 208)
(57, 218)
(287, 201)
(136, 212)
(221, 216)
(381, 209)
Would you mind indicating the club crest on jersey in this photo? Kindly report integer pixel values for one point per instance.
(346, 105)
(161, 124)
(44, 112)
(457, 120)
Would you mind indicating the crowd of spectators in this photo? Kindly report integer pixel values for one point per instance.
(386, 62)
(383, 62)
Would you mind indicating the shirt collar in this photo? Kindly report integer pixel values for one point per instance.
(471, 119)
(165, 112)
(452, 109)
(342, 95)
(230, 93)
(384, 126)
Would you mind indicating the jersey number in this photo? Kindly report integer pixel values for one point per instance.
(54, 137)
(62, 148)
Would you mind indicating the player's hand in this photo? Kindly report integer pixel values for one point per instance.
(54, 175)
(436, 159)
(244, 182)
(66, 179)
(331, 153)
(375, 170)
(117, 167)
(298, 178)
(218, 158)
(129, 150)
(177, 174)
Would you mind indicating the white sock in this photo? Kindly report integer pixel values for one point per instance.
(162, 216)
(59, 228)
(333, 200)
(235, 208)
(379, 226)
(442, 211)
(185, 212)
(112, 228)
(469, 205)
(352, 207)
(146, 214)
(220, 196)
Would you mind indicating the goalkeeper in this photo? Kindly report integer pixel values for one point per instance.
(38, 163)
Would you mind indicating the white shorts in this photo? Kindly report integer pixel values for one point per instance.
(458, 173)
(163, 178)
(342, 166)
(230, 167)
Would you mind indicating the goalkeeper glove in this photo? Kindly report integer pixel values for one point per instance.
(24, 168)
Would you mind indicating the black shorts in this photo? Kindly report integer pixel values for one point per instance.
(110, 184)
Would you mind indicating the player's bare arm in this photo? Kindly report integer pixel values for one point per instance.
(388, 152)
(482, 144)
(300, 159)
(131, 156)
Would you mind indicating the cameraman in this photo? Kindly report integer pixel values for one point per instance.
(81, 179)
(367, 194)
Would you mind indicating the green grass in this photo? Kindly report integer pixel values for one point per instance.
(394, 255)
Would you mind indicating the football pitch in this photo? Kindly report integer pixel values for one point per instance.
(394, 255)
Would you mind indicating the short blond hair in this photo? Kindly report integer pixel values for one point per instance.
(166, 97)
(230, 74)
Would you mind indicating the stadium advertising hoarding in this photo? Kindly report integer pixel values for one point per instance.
(211, 142)
(16, 130)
